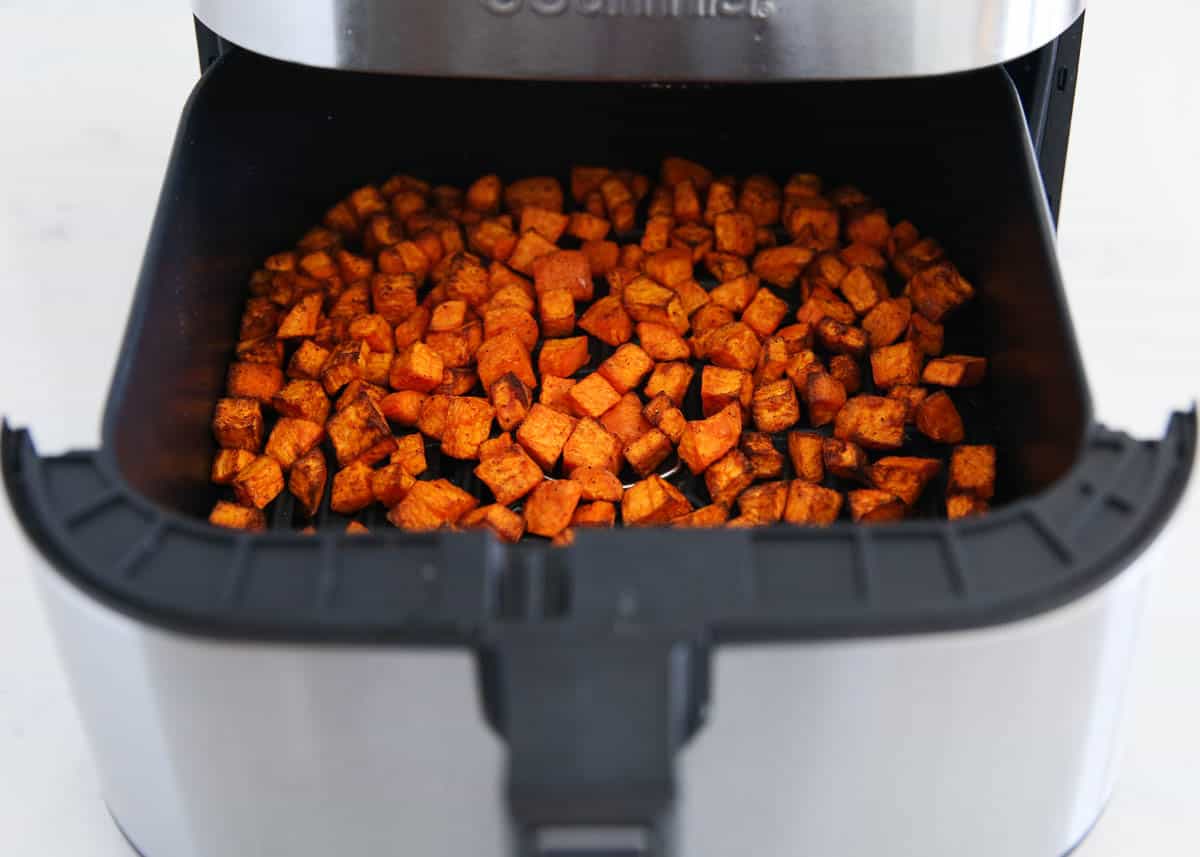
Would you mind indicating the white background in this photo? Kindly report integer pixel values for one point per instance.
(89, 97)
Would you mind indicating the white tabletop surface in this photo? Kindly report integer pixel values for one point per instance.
(89, 97)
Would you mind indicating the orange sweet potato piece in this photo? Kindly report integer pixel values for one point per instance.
(871, 506)
(258, 381)
(662, 413)
(602, 256)
(844, 459)
(510, 474)
(910, 396)
(556, 309)
(597, 514)
(662, 342)
(306, 481)
(235, 517)
(403, 407)
(586, 227)
(895, 365)
(764, 313)
(413, 328)
(646, 300)
(564, 269)
(840, 338)
(656, 236)
(728, 477)
(652, 501)
(238, 424)
(563, 357)
(863, 289)
(418, 367)
(805, 451)
(825, 397)
(775, 407)
(810, 504)
(887, 321)
(260, 318)
(954, 370)
(431, 421)
(763, 504)
(391, 484)
(719, 387)
(872, 421)
(735, 233)
(761, 199)
(499, 319)
(815, 220)
(227, 463)
(530, 247)
(626, 368)
(973, 471)
(431, 505)
(302, 318)
(346, 363)
(542, 191)
(550, 507)
(765, 459)
(544, 433)
(549, 224)
(503, 354)
(292, 438)
(468, 424)
(904, 476)
(671, 379)
(704, 441)
(675, 170)
(591, 445)
(585, 180)
(735, 295)
(648, 451)
(686, 204)
(845, 368)
(726, 266)
(938, 419)
(511, 399)
(265, 350)
(554, 393)
(484, 194)
(597, 484)
(964, 506)
(938, 290)
(356, 428)
(259, 482)
(734, 346)
(607, 320)
(625, 419)
(592, 396)
(713, 515)
(782, 266)
(721, 200)
(507, 525)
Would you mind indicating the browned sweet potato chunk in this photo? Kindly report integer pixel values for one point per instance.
(713, 515)
(457, 382)
(597, 483)
(563, 357)
(927, 335)
(735, 233)
(734, 346)
(625, 419)
(410, 451)
(662, 414)
(719, 387)
(391, 484)
(307, 479)
(597, 514)
(704, 441)
(646, 300)
(844, 459)
(238, 424)
(863, 289)
(671, 379)
(775, 407)
(585, 180)
(430, 505)
(607, 320)
(861, 255)
(687, 208)
(494, 446)
(587, 227)
(763, 504)
(356, 428)
(403, 407)
(827, 269)
(544, 434)
(954, 370)
(258, 381)
(728, 477)
(648, 451)
(235, 517)
(782, 266)
(542, 191)
(497, 320)
(887, 321)
(761, 199)
(726, 266)
(506, 524)
(675, 170)
(227, 463)
(845, 368)
(556, 308)
(662, 342)
(626, 368)
(259, 482)
(484, 195)
(872, 421)
(260, 318)
(417, 367)
(412, 329)
(841, 338)
(825, 397)
(292, 438)
(549, 224)
(530, 247)
(550, 507)
(602, 256)
(302, 318)
(904, 476)
(345, 364)
(964, 506)
(501, 355)
(554, 393)
(652, 501)
(938, 290)
(394, 296)
(765, 459)
(735, 295)
(810, 504)
(431, 421)
(800, 366)
(510, 474)
(895, 365)
(265, 350)
(468, 424)
(657, 234)
(591, 445)
(511, 400)
(805, 451)
(973, 471)
(938, 419)
(564, 269)
(720, 200)
(765, 312)
(911, 396)
(592, 396)
(692, 296)
(870, 506)
(813, 220)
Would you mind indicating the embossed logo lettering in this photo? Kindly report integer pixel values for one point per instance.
(635, 8)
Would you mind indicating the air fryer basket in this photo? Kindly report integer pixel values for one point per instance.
(262, 149)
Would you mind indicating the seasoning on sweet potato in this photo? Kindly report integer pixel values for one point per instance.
(654, 500)
(720, 200)
(765, 459)
(591, 445)
(308, 361)
(602, 256)
(530, 247)
(863, 255)
(872, 421)
(825, 397)
(763, 504)
(782, 266)
(726, 266)
(938, 290)
(506, 524)
(542, 191)
(887, 321)
(719, 387)
(648, 451)
(735, 295)
(549, 224)
(675, 170)
(646, 300)
(805, 451)
(800, 366)
(391, 484)
(938, 419)
(761, 199)
(686, 203)
(871, 506)
(259, 482)
(607, 320)
(844, 459)
(265, 350)
(827, 269)
(549, 509)
(765, 312)
(496, 320)
(810, 504)
(625, 419)
(584, 226)
(964, 506)
(235, 517)
(238, 424)
(846, 369)
(728, 477)
(356, 428)
(564, 269)
(973, 471)
(904, 476)
(895, 365)
(412, 329)
(306, 481)
(626, 368)
(418, 367)
(735, 233)
(494, 446)
(734, 346)
(227, 463)
(345, 363)
(672, 379)
(431, 420)
(292, 438)
(544, 433)
(662, 413)
(927, 335)
(840, 338)
(775, 407)
(704, 441)
(813, 221)
(431, 505)
(954, 370)
(468, 424)
(301, 320)
(863, 289)
(656, 236)
(511, 400)
(403, 407)
(510, 474)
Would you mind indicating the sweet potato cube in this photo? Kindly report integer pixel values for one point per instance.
(403, 407)
(720, 200)
(557, 311)
(350, 393)
(258, 381)
(500, 277)
(661, 342)
(530, 247)
(938, 419)
(761, 199)
(417, 367)
(827, 269)
(764, 313)
(646, 300)
(710, 317)
(266, 350)
(353, 301)
(800, 366)
(301, 319)
(607, 320)
(602, 256)
(973, 471)
(763, 504)
(227, 463)
(549, 224)
(927, 335)
(902, 236)
(456, 347)
(507, 525)
(503, 354)
(484, 194)
(564, 269)
(511, 400)
(782, 266)
(449, 315)
(260, 318)
(592, 396)
(704, 441)
(662, 413)
(814, 220)
(719, 387)
(887, 321)
(591, 445)
(431, 420)
(713, 515)
(235, 517)
(810, 504)
(775, 407)
(734, 346)
(308, 361)
(938, 290)
(544, 433)
(765, 459)
(735, 295)
(431, 505)
(840, 338)
(391, 484)
(626, 368)
(510, 475)
(825, 397)
(844, 459)
(468, 424)
(292, 438)
(494, 446)
(356, 428)
(596, 514)
(549, 509)
(911, 397)
(820, 306)
(520, 322)
(805, 451)
(726, 266)
(413, 328)
(692, 296)
(345, 364)
(686, 204)
(377, 366)
(562, 358)
(511, 297)
(693, 237)
(652, 501)
(647, 452)
(904, 476)
(845, 368)
(671, 379)
(675, 170)
(872, 421)
(585, 227)
(861, 255)
(306, 481)
(898, 364)
(954, 370)
(728, 477)
(238, 424)
(554, 393)
(394, 296)
(735, 233)
(965, 506)
(625, 419)
(597, 484)
(863, 289)
(541, 191)
(772, 360)
(871, 506)
(259, 482)
(586, 180)
(657, 234)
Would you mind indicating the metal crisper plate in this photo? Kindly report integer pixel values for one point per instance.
(669, 40)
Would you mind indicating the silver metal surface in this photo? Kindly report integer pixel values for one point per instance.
(669, 40)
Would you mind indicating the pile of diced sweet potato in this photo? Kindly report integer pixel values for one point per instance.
(698, 352)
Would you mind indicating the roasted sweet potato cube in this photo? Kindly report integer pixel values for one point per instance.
(351, 267)
(671, 379)
(735, 233)
(863, 289)
(597, 484)
(864, 256)
(377, 366)
(301, 319)
(800, 366)
(510, 474)
(805, 451)
(503, 354)
(763, 504)
(844, 459)
(592, 396)
(827, 269)
(898, 364)
(586, 227)
(531, 246)
(820, 306)
(887, 321)
(596, 514)
(719, 387)
(726, 266)
(431, 505)
(500, 277)
(557, 311)
(308, 361)
(692, 295)
(735, 295)
(586, 180)
(973, 471)
(845, 368)
(417, 367)
(782, 266)
(954, 370)
(345, 364)
(902, 236)
(840, 338)
(652, 501)
(661, 342)
(927, 335)
(619, 203)
(872, 421)
(825, 397)
(449, 315)
(544, 433)
(238, 424)
(734, 346)
(511, 400)
(354, 300)
(709, 318)
(773, 360)
(938, 290)
(549, 224)
(810, 504)
(647, 452)
(431, 420)
(625, 419)
(468, 424)
(871, 506)
(292, 438)
(350, 393)
(500, 319)
(391, 484)
(675, 170)
(704, 441)
(554, 393)
(542, 191)
(761, 199)
(494, 446)
(410, 451)
(626, 368)
(713, 515)
(259, 482)
(686, 205)
(258, 381)
(413, 328)
(662, 413)
(721, 200)
(646, 300)
(765, 459)
(911, 397)
(407, 257)
(566, 270)
(657, 234)
(227, 463)
(550, 507)
(511, 297)
(938, 419)
(918, 256)
(235, 517)
(607, 320)
(507, 525)
(266, 350)
(965, 506)
(764, 313)
(775, 407)
(602, 256)
(306, 481)
(356, 428)
(814, 220)
(591, 445)
(260, 318)
(797, 336)
(904, 476)
(403, 407)
(319, 265)
(728, 477)
(562, 358)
